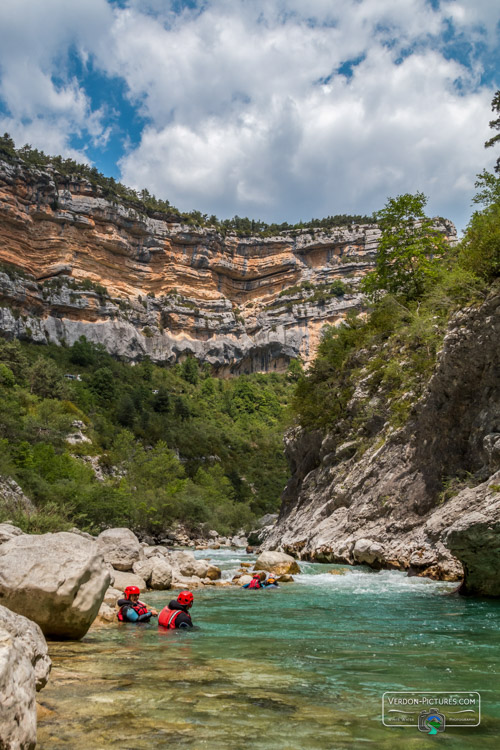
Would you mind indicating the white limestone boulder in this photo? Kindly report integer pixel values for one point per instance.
(277, 563)
(120, 547)
(161, 574)
(368, 551)
(124, 579)
(24, 669)
(56, 580)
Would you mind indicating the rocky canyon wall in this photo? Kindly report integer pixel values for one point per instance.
(385, 506)
(75, 263)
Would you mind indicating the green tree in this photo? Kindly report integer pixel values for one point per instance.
(45, 379)
(161, 401)
(495, 125)
(409, 249)
(103, 384)
(190, 371)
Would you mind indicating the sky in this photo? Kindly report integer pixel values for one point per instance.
(279, 110)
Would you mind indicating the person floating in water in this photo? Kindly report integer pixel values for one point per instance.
(271, 583)
(176, 615)
(255, 583)
(131, 609)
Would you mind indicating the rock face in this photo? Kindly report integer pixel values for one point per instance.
(144, 285)
(24, 669)
(474, 537)
(8, 531)
(57, 580)
(277, 563)
(384, 508)
(12, 498)
(120, 548)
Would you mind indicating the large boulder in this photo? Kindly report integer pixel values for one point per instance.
(277, 563)
(120, 548)
(367, 551)
(161, 575)
(144, 569)
(57, 580)
(185, 563)
(24, 669)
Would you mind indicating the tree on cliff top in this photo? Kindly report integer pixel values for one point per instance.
(409, 249)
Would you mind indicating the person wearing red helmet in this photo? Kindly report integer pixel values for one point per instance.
(176, 615)
(131, 609)
(255, 583)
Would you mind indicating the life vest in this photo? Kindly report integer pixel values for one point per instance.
(138, 607)
(168, 617)
(255, 584)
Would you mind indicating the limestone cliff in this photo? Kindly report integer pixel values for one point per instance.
(385, 507)
(151, 286)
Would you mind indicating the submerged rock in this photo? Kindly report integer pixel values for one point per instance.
(57, 580)
(24, 670)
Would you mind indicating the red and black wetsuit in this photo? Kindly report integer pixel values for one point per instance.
(127, 607)
(175, 616)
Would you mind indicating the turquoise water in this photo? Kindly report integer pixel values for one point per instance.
(298, 668)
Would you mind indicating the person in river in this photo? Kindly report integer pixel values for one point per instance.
(131, 609)
(176, 615)
(255, 583)
(271, 583)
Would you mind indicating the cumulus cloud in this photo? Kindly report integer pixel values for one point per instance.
(276, 109)
(42, 103)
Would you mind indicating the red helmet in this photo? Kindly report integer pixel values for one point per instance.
(185, 598)
(256, 575)
(129, 590)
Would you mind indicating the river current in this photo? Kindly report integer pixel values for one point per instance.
(303, 667)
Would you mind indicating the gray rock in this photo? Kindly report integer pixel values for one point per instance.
(474, 537)
(57, 580)
(24, 669)
(161, 575)
(122, 579)
(277, 563)
(8, 531)
(144, 569)
(120, 547)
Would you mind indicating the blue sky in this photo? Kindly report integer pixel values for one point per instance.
(274, 109)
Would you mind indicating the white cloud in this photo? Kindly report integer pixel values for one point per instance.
(46, 105)
(246, 112)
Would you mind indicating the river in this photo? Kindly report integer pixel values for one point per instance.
(303, 667)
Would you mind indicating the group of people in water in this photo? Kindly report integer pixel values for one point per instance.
(176, 614)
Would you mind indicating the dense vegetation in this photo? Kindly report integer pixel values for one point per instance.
(390, 353)
(173, 444)
(144, 202)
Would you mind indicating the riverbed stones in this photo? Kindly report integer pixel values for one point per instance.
(24, 669)
(56, 580)
(120, 547)
(276, 562)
